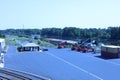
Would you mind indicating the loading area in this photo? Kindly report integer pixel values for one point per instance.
(64, 64)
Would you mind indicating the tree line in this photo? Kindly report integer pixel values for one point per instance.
(111, 34)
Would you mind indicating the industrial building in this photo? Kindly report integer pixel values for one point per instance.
(29, 47)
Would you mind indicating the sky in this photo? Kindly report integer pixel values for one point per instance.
(59, 13)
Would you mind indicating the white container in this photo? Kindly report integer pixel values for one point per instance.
(2, 44)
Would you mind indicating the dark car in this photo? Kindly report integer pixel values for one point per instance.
(44, 49)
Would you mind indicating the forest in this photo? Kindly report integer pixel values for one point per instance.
(108, 36)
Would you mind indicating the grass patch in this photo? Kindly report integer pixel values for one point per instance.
(15, 40)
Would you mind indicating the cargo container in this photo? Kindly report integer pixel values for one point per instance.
(110, 51)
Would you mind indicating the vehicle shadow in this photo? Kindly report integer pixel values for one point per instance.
(105, 58)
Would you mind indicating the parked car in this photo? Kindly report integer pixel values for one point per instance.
(44, 49)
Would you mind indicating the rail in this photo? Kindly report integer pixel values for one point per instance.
(10, 74)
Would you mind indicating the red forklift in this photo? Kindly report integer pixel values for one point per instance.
(83, 46)
(61, 45)
(74, 47)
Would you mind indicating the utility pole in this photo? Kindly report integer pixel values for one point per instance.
(23, 29)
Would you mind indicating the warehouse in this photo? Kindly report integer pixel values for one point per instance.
(30, 47)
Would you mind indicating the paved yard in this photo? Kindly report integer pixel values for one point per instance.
(64, 64)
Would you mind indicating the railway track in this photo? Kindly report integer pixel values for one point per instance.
(9, 74)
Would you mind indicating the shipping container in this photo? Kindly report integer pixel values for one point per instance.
(110, 51)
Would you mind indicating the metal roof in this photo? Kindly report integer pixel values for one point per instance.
(30, 45)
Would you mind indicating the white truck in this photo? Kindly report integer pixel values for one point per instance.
(2, 45)
(2, 50)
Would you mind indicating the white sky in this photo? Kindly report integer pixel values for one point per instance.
(59, 13)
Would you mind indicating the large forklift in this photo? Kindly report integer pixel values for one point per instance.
(84, 46)
(61, 45)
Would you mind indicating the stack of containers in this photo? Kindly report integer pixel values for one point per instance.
(110, 51)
